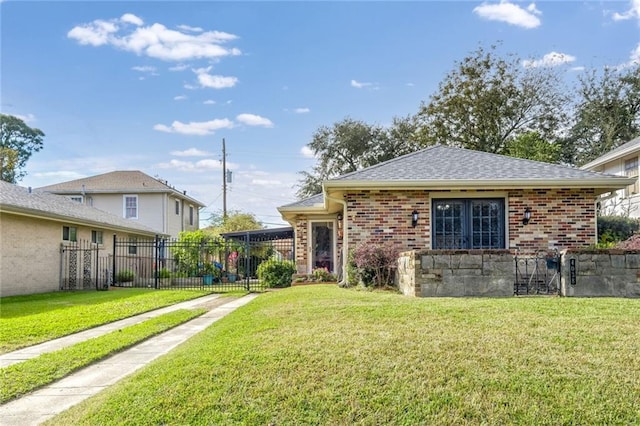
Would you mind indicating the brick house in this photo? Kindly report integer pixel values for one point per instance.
(36, 227)
(621, 161)
(444, 198)
(137, 197)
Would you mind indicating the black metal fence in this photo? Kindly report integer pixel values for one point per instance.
(213, 264)
(537, 274)
(84, 267)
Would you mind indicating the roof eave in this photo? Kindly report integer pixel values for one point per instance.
(602, 183)
(39, 214)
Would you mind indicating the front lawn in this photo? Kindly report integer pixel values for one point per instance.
(32, 319)
(324, 355)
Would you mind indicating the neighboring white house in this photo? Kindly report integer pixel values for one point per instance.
(135, 196)
(622, 161)
(37, 227)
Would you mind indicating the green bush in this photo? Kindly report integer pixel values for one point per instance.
(276, 273)
(125, 276)
(164, 273)
(612, 229)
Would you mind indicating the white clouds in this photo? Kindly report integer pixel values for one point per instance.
(179, 67)
(203, 128)
(302, 110)
(180, 98)
(634, 58)
(195, 128)
(190, 166)
(191, 152)
(360, 85)
(254, 120)
(307, 152)
(29, 118)
(510, 13)
(156, 40)
(145, 68)
(633, 12)
(209, 102)
(216, 81)
(130, 18)
(190, 28)
(552, 59)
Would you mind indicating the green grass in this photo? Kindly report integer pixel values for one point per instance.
(28, 320)
(324, 355)
(18, 379)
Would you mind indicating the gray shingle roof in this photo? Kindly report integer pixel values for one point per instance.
(119, 181)
(308, 202)
(17, 199)
(447, 163)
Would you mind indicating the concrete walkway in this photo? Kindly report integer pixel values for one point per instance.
(41, 405)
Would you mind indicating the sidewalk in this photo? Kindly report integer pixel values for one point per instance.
(40, 405)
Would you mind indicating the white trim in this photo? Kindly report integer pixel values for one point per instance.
(124, 205)
(334, 242)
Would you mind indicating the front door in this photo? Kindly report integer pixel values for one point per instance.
(322, 252)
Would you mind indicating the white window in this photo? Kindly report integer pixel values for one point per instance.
(96, 237)
(76, 198)
(190, 215)
(69, 233)
(177, 207)
(631, 170)
(131, 206)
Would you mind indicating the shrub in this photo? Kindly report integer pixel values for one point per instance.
(125, 276)
(164, 273)
(276, 273)
(376, 262)
(612, 229)
(323, 275)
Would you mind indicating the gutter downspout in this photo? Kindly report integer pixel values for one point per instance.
(345, 248)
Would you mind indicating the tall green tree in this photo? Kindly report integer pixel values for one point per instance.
(533, 147)
(488, 100)
(235, 221)
(17, 142)
(339, 149)
(607, 113)
(350, 145)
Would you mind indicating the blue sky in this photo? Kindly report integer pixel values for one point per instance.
(155, 86)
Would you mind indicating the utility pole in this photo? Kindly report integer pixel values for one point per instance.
(224, 182)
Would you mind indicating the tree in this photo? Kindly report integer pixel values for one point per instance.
(351, 145)
(607, 114)
(17, 142)
(533, 147)
(487, 100)
(235, 221)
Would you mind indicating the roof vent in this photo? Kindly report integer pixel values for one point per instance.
(184, 192)
(29, 190)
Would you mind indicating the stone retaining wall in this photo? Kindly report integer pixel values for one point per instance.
(450, 273)
(455, 273)
(596, 273)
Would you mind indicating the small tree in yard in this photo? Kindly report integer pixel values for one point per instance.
(376, 263)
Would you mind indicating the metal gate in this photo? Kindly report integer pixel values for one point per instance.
(82, 267)
(537, 274)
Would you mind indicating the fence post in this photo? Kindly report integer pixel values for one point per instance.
(247, 256)
(113, 277)
(156, 261)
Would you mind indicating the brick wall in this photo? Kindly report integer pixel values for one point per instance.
(560, 218)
